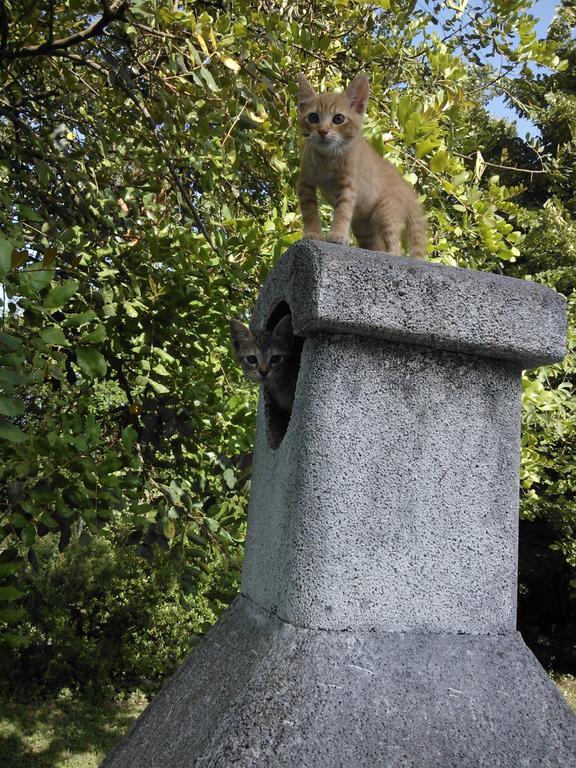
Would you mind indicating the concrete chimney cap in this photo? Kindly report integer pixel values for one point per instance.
(335, 289)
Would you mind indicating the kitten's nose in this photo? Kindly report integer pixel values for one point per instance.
(323, 132)
(263, 371)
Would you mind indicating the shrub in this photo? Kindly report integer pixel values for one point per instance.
(101, 617)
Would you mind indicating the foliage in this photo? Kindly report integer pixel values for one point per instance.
(102, 619)
(148, 167)
(549, 218)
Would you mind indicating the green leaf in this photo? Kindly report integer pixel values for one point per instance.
(11, 615)
(424, 146)
(42, 170)
(404, 109)
(15, 641)
(129, 437)
(168, 528)
(479, 165)
(12, 433)
(54, 335)
(460, 178)
(230, 63)
(9, 406)
(92, 362)
(6, 248)
(82, 318)
(94, 337)
(28, 535)
(48, 521)
(60, 294)
(11, 377)
(411, 128)
(9, 569)
(80, 443)
(229, 478)
(10, 593)
(35, 279)
(208, 79)
(18, 520)
(439, 161)
(9, 341)
(130, 309)
(160, 389)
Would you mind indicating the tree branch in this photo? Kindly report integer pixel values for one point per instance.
(157, 32)
(531, 171)
(51, 47)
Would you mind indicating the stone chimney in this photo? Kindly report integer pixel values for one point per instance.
(376, 620)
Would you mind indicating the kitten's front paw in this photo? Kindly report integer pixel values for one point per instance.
(333, 237)
(312, 236)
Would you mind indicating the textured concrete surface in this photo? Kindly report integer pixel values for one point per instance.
(258, 692)
(376, 624)
(392, 501)
(332, 289)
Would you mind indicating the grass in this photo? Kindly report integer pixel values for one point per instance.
(74, 731)
(71, 731)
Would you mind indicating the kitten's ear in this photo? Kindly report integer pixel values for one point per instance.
(284, 328)
(239, 333)
(357, 93)
(305, 91)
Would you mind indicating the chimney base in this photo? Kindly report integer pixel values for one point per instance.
(260, 692)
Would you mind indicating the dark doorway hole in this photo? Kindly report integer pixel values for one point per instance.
(278, 419)
(279, 311)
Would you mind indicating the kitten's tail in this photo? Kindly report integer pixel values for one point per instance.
(416, 231)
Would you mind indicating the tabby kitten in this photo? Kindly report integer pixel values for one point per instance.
(366, 191)
(271, 359)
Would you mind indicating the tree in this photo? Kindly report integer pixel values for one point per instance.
(149, 157)
(548, 216)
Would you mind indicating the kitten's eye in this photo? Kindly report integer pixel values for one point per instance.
(313, 117)
(338, 119)
(275, 359)
(252, 359)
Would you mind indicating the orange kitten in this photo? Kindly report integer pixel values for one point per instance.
(366, 191)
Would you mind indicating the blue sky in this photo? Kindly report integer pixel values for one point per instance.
(544, 11)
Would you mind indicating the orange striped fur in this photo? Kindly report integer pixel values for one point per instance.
(367, 193)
